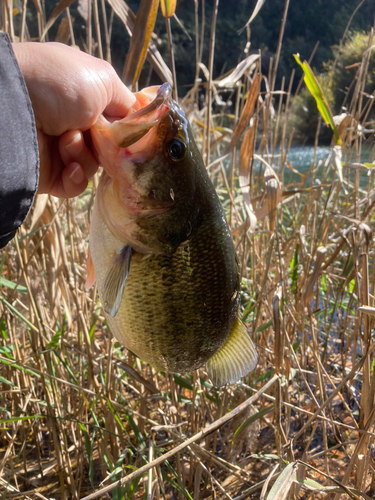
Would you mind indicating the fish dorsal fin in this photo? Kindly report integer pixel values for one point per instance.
(235, 359)
(90, 280)
(115, 281)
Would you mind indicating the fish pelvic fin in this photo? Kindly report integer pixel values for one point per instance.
(90, 280)
(115, 281)
(236, 358)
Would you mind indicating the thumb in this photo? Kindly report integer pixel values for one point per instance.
(121, 99)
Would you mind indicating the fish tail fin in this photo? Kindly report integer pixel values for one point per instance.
(235, 359)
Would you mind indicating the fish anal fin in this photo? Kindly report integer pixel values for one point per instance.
(236, 357)
(90, 280)
(115, 281)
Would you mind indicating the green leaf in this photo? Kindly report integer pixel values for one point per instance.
(210, 397)
(294, 270)
(7, 351)
(19, 367)
(115, 414)
(54, 342)
(265, 326)
(89, 444)
(82, 427)
(19, 419)
(92, 329)
(8, 382)
(296, 345)
(184, 400)
(264, 376)
(116, 474)
(182, 381)
(324, 282)
(130, 489)
(247, 310)
(251, 419)
(318, 94)
(73, 379)
(13, 286)
(3, 330)
(18, 314)
(206, 384)
(175, 485)
(136, 431)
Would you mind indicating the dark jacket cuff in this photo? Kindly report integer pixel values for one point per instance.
(19, 158)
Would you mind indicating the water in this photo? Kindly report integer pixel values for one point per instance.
(301, 159)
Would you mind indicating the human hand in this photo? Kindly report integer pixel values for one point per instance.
(68, 90)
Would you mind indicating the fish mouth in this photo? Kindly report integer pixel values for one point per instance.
(163, 94)
(136, 125)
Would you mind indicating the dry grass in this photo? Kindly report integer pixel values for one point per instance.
(78, 412)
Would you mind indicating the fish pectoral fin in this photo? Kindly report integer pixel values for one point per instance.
(125, 133)
(115, 281)
(235, 359)
(90, 280)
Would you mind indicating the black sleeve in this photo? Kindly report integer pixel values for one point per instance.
(19, 160)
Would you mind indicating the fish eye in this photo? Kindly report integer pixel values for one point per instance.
(176, 149)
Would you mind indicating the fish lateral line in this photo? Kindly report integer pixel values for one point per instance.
(115, 281)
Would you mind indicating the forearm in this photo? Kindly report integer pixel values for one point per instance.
(19, 162)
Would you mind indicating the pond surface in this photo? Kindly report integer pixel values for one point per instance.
(301, 158)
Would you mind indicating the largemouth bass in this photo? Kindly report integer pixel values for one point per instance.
(160, 248)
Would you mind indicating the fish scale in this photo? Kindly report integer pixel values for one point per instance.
(160, 247)
(177, 304)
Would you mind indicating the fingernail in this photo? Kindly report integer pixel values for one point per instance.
(75, 146)
(77, 176)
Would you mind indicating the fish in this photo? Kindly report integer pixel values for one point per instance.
(160, 248)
